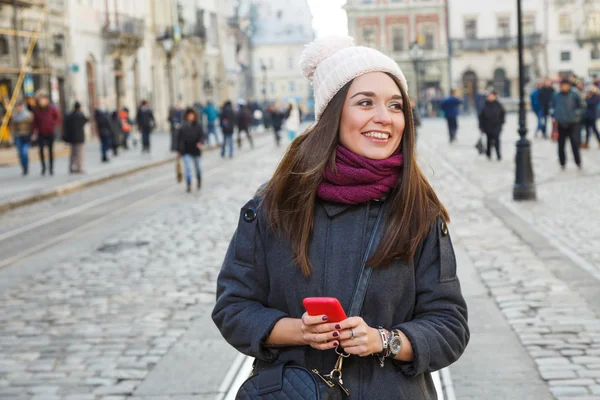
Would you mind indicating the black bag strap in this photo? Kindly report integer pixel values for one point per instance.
(365, 271)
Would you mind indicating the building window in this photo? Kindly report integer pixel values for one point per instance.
(528, 24)
(503, 24)
(272, 88)
(595, 54)
(398, 39)
(4, 49)
(292, 86)
(290, 62)
(593, 24)
(271, 63)
(366, 1)
(214, 39)
(427, 36)
(565, 56)
(369, 36)
(470, 28)
(564, 23)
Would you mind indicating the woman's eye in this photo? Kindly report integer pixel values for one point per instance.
(396, 106)
(365, 103)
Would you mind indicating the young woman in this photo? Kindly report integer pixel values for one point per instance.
(305, 233)
(191, 139)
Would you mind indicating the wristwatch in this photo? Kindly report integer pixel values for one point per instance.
(394, 344)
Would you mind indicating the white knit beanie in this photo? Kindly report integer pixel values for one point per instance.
(331, 62)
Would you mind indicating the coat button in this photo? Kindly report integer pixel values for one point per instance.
(249, 215)
(444, 228)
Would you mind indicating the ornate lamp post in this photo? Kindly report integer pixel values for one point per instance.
(416, 54)
(168, 43)
(524, 187)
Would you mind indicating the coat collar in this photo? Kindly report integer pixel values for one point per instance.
(333, 209)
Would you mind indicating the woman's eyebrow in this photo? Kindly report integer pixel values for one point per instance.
(372, 94)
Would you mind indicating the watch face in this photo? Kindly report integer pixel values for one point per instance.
(395, 345)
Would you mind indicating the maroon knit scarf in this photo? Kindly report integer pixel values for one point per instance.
(359, 179)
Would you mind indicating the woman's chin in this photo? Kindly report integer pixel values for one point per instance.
(376, 153)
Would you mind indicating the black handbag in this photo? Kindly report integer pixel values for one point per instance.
(286, 381)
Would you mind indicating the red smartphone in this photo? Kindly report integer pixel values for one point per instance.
(329, 306)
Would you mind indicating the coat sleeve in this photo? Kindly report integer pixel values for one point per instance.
(241, 312)
(438, 331)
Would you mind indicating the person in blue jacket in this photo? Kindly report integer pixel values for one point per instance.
(537, 108)
(450, 107)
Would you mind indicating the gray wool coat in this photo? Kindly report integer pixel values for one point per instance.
(259, 284)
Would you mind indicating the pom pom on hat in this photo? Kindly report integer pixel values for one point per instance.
(320, 49)
(331, 62)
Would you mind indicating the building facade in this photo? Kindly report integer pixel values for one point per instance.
(573, 37)
(484, 47)
(282, 29)
(413, 33)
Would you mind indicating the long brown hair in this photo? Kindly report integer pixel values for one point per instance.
(291, 194)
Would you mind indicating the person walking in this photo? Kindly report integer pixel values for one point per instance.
(191, 139)
(117, 132)
(416, 117)
(104, 130)
(450, 107)
(491, 119)
(212, 116)
(545, 98)
(75, 136)
(566, 111)
(146, 124)
(536, 108)
(45, 119)
(126, 126)
(21, 131)
(592, 99)
(351, 180)
(277, 118)
(293, 116)
(244, 119)
(175, 120)
(227, 122)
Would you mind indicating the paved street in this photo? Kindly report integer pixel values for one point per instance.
(120, 308)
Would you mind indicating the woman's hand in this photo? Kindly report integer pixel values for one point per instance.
(358, 338)
(319, 334)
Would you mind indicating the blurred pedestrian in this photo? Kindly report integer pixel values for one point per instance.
(21, 131)
(545, 97)
(293, 116)
(351, 181)
(536, 108)
(126, 126)
(244, 120)
(146, 124)
(191, 139)
(416, 117)
(491, 119)
(566, 111)
(75, 136)
(450, 107)
(227, 122)
(277, 117)
(592, 100)
(117, 132)
(175, 120)
(212, 116)
(105, 133)
(45, 119)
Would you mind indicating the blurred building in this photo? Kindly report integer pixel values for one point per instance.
(281, 30)
(47, 67)
(413, 33)
(573, 37)
(485, 51)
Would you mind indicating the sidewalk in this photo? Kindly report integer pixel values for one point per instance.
(18, 190)
(9, 157)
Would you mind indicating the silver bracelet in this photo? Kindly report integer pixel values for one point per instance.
(385, 346)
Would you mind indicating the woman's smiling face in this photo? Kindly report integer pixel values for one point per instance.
(372, 122)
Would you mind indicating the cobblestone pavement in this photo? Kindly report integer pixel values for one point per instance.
(93, 326)
(554, 323)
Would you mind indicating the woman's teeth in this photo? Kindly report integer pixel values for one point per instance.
(378, 135)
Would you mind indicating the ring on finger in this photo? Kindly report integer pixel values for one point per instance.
(351, 333)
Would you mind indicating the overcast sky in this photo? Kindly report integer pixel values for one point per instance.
(328, 17)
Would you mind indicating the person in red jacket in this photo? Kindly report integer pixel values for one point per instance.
(45, 119)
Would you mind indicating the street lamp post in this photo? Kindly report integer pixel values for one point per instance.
(416, 54)
(167, 44)
(524, 188)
